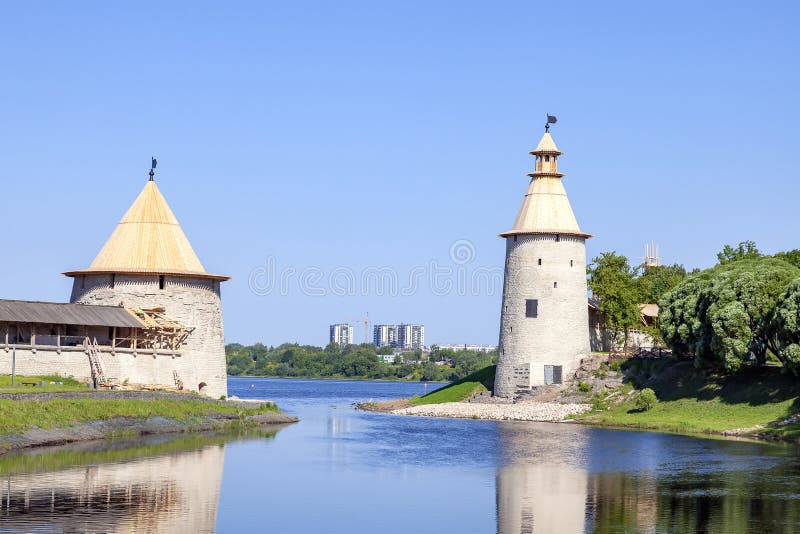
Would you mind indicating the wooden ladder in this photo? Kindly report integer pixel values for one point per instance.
(98, 376)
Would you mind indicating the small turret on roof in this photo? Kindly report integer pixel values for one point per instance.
(546, 208)
(148, 240)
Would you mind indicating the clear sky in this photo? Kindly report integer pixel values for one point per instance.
(345, 142)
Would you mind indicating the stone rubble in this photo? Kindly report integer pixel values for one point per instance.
(522, 411)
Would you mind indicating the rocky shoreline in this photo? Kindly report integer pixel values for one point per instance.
(550, 412)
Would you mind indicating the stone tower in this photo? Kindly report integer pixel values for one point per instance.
(544, 322)
(148, 263)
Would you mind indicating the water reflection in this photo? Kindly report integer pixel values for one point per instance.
(542, 484)
(564, 478)
(155, 485)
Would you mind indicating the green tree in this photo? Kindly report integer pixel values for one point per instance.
(746, 250)
(655, 282)
(721, 315)
(645, 399)
(611, 279)
(386, 349)
(783, 327)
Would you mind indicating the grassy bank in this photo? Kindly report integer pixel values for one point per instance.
(24, 407)
(17, 416)
(699, 401)
(459, 390)
(38, 384)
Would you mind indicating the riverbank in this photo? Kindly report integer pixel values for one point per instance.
(761, 403)
(55, 418)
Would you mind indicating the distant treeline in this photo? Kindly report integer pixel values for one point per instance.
(352, 361)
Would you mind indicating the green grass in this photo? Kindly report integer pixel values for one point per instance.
(697, 401)
(459, 390)
(20, 415)
(67, 384)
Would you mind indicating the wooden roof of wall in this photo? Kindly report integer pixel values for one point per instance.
(23, 311)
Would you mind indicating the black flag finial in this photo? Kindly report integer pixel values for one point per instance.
(153, 163)
(551, 119)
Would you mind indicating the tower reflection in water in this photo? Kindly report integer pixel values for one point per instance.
(160, 485)
(541, 484)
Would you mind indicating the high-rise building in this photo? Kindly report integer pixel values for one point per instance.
(544, 317)
(342, 333)
(402, 336)
(411, 336)
(385, 335)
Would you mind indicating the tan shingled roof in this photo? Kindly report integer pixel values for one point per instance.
(545, 209)
(148, 239)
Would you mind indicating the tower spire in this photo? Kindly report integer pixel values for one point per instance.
(546, 208)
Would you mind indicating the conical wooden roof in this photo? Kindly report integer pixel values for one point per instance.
(546, 208)
(148, 240)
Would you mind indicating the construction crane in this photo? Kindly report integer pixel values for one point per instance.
(365, 320)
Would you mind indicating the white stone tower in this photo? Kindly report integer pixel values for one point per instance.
(544, 324)
(148, 263)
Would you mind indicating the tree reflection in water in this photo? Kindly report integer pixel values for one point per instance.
(565, 478)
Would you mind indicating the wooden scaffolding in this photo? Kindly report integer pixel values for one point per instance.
(158, 331)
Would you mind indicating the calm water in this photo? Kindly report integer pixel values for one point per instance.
(340, 470)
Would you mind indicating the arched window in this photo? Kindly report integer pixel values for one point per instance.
(547, 158)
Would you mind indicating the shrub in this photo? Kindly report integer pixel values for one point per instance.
(584, 387)
(602, 371)
(616, 365)
(645, 399)
(599, 402)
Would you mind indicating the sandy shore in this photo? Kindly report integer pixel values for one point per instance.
(523, 411)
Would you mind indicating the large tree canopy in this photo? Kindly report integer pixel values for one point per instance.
(720, 315)
(783, 327)
(791, 256)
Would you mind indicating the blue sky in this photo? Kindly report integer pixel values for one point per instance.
(334, 139)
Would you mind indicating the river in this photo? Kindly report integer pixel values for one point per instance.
(340, 470)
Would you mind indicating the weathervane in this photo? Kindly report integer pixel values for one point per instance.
(153, 163)
(551, 119)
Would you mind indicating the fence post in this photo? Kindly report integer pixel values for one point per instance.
(13, 363)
